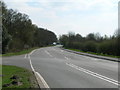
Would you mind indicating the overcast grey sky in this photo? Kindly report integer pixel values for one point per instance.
(79, 16)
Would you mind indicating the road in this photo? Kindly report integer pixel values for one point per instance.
(62, 69)
(20, 61)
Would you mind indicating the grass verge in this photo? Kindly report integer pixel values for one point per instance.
(16, 77)
(94, 53)
(19, 53)
(23, 51)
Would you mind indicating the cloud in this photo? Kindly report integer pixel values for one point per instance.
(81, 16)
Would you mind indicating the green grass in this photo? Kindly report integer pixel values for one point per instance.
(26, 77)
(94, 53)
(19, 53)
(23, 51)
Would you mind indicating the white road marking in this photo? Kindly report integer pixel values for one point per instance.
(67, 58)
(94, 74)
(61, 50)
(31, 64)
(32, 51)
(95, 59)
(91, 58)
(43, 81)
(25, 55)
(48, 53)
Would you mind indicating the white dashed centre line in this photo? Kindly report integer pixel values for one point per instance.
(48, 53)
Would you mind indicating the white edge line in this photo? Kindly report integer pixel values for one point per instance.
(31, 65)
(43, 81)
(25, 55)
(84, 70)
(94, 73)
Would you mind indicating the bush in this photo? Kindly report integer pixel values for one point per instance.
(108, 47)
(90, 46)
(76, 45)
(97, 44)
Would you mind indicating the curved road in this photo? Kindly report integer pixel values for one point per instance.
(62, 69)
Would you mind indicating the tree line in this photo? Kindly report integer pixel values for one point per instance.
(18, 32)
(93, 42)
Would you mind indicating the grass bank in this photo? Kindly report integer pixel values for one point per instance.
(19, 53)
(94, 53)
(23, 51)
(16, 77)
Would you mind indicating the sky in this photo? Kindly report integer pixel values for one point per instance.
(63, 16)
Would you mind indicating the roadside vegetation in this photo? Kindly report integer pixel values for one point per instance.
(93, 43)
(19, 33)
(25, 51)
(94, 53)
(20, 52)
(16, 77)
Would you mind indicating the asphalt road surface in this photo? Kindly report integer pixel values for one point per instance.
(62, 69)
(20, 61)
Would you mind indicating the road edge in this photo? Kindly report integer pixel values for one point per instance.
(91, 55)
(41, 82)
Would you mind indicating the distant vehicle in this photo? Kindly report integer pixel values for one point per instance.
(54, 43)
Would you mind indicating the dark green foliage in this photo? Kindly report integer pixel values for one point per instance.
(63, 40)
(44, 37)
(19, 33)
(5, 39)
(89, 46)
(93, 43)
(90, 36)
